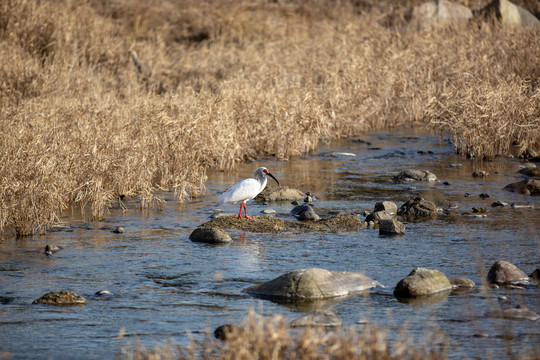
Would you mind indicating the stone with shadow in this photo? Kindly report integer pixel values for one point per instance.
(210, 235)
(422, 282)
(64, 297)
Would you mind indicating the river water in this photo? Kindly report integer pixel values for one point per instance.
(163, 285)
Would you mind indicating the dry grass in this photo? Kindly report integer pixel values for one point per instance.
(270, 338)
(100, 100)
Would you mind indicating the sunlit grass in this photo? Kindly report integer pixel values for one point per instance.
(101, 100)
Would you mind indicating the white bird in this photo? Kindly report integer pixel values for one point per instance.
(246, 190)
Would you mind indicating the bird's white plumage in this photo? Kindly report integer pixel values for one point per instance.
(246, 189)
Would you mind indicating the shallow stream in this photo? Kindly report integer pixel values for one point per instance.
(163, 285)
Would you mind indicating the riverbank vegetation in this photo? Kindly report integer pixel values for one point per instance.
(105, 100)
(271, 338)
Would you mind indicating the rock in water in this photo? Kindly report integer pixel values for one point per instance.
(415, 175)
(526, 187)
(418, 207)
(313, 283)
(305, 213)
(323, 318)
(377, 216)
(210, 235)
(461, 285)
(421, 282)
(391, 227)
(280, 194)
(64, 297)
(505, 273)
(520, 312)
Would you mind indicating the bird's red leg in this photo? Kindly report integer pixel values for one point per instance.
(245, 210)
(240, 213)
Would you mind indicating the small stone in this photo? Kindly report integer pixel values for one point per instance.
(269, 211)
(536, 274)
(379, 215)
(118, 230)
(484, 195)
(305, 212)
(387, 206)
(103, 293)
(478, 209)
(418, 207)
(455, 165)
(422, 282)
(499, 203)
(415, 175)
(308, 199)
(480, 173)
(461, 285)
(467, 194)
(228, 332)
(52, 249)
(295, 202)
(446, 183)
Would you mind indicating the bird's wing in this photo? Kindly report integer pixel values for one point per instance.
(244, 190)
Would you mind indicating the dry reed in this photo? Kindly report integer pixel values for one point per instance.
(271, 338)
(104, 100)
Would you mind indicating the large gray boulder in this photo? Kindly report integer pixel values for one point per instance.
(313, 283)
(418, 207)
(64, 297)
(438, 13)
(422, 282)
(505, 273)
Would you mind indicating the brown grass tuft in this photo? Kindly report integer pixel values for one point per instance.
(101, 100)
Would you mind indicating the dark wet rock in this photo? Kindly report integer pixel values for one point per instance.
(5, 299)
(478, 209)
(505, 273)
(317, 318)
(467, 194)
(480, 173)
(391, 227)
(283, 193)
(418, 207)
(228, 332)
(536, 274)
(52, 249)
(422, 282)
(377, 216)
(520, 312)
(415, 175)
(530, 171)
(527, 187)
(484, 195)
(308, 199)
(461, 285)
(210, 235)
(118, 230)
(387, 206)
(499, 203)
(64, 297)
(438, 13)
(313, 283)
(509, 14)
(305, 213)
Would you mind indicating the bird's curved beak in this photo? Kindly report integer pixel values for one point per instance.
(272, 176)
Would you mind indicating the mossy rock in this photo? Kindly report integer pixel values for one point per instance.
(64, 297)
(283, 193)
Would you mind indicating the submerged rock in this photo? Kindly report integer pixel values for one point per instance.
(421, 282)
(536, 274)
(210, 235)
(313, 283)
(530, 172)
(418, 207)
(526, 187)
(283, 193)
(505, 273)
(305, 213)
(520, 312)
(391, 227)
(461, 285)
(64, 297)
(480, 173)
(118, 230)
(415, 175)
(320, 318)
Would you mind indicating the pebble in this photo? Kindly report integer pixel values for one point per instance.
(269, 211)
(499, 203)
(455, 165)
(118, 230)
(103, 292)
(484, 195)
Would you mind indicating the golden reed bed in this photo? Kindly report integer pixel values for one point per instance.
(100, 100)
